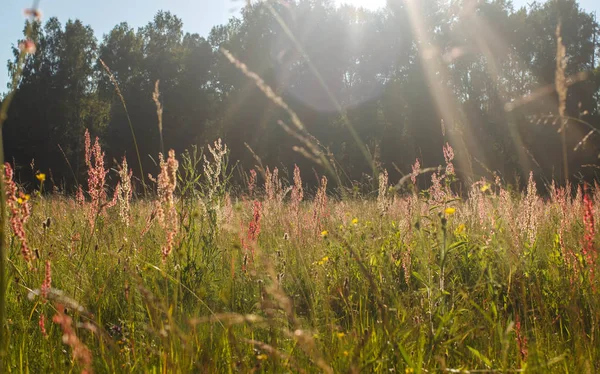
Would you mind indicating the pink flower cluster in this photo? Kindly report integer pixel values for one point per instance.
(449, 156)
(19, 211)
(124, 192)
(94, 160)
(416, 170)
(588, 250)
(252, 182)
(165, 210)
(81, 353)
(252, 234)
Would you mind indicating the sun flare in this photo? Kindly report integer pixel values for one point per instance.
(368, 4)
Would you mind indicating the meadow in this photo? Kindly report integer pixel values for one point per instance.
(198, 276)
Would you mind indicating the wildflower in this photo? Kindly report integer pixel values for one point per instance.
(324, 234)
(79, 197)
(528, 219)
(213, 169)
(36, 14)
(164, 207)
(296, 198)
(253, 232)
(340, 335)
(23, 198)
(262, 357)
(460, 229)
(41, 177)
(323, 261)
(436, 190)
(485, 187)
(252, 182)
(80, 351)
(355, 221)
(94, 160)
(19, 211)
(450, 211)
(254, 226)
(124, 192)
(409, 370)
(521, 340)
(588, 223)
(27, 47)
(42, 324)
(383, 199)
(416, 170)
(320, 205)
(274, 188)
(45, 288)
(448, 157)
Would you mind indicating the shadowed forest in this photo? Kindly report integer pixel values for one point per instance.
(364, 83)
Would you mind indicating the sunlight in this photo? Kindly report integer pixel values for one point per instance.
(367, 4)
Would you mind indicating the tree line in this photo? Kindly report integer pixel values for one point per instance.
(376, 88)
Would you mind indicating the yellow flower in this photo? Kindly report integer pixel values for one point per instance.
(460, 229)
(26, 196)
(262, 357)
(340, 335)
(409, 370)
(450, 211)
(41, 177)
(485, 187)
(323, 260)
(355, 221)
(346, 353)
(20, 201)
(324, 234)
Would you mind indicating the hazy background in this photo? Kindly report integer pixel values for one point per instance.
(198, 16)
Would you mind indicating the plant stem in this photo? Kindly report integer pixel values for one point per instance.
(3, 253)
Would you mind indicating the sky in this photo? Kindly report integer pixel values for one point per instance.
(198, 16)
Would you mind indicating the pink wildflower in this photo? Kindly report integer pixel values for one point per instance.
(416, 169)
(19, 212)
(251, 239)
(42, 324)
(47, 284)
(449, 156)
(33, 13)
(588, 250)
(27, 47)
(521, 340)
(81, 353)
(252, 182)
(94, 160)
(165, 209)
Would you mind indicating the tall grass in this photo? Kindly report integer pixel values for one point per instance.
(270, 281)
(25, 48)
(199, 279)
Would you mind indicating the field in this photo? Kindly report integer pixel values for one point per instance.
(197, 277)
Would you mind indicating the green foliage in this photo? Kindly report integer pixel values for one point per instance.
(375, 292)
(338, 68)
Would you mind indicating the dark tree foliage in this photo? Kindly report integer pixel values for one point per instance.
(405, 79)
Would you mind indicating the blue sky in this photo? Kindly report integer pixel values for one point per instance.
(198, 16)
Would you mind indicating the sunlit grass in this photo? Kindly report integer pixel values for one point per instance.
(404, 283)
